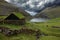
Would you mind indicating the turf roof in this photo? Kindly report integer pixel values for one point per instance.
(2, 17)
(18, 14)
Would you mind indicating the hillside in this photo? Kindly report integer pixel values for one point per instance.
(48, 32)
(51, 12)
(6, 8)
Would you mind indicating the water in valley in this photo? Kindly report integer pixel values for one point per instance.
(38, 20)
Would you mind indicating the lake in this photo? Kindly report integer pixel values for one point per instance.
(38, 20)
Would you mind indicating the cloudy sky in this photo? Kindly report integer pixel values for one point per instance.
(31, 6)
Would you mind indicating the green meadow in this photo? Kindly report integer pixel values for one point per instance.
(51, 33)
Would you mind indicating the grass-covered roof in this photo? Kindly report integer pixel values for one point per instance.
(18, 14)
(2, 17)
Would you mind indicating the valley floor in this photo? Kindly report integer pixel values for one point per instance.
(50, 31)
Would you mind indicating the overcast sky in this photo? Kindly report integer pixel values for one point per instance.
(31, 6)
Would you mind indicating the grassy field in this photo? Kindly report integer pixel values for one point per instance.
(52, 33)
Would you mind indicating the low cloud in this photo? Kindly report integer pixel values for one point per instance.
(31, 6)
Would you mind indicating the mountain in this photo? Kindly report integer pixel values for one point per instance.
(50, 12)
(33, 7)
(7, 8)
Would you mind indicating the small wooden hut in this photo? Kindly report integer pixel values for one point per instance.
(14, 18)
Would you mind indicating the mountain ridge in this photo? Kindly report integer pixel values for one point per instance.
(50, 12)
(7, 8)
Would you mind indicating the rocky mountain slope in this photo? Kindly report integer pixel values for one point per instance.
(6, 8)
(51, 12)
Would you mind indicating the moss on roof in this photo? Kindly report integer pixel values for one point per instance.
(18, 14)
(2, 17)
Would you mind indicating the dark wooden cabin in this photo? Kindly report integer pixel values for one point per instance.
(16, 19)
